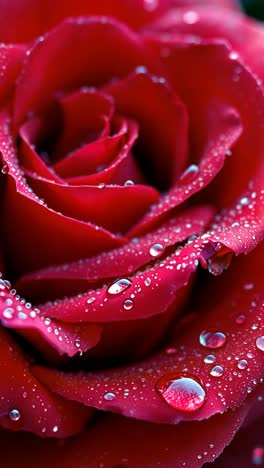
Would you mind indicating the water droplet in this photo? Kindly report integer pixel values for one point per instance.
(189, 174)
(77, 343)
(209, 359)
(8, 313)
(119, 286)
(244, 201)
(233, 55)
(218, 263)
(141, 69)
(90, 300)
(217, 371)
(243, 364)
(128, 304)
(258, 456)
(55, 428)
(109, 396)
(101, 186)
(14, 415)
(240, 319)
(181, 391)
(260, 343)
(147, 281)
(5, 169)
(22, 315)
(128, 182)
(190, 17)
(156, 250)
(212, 339)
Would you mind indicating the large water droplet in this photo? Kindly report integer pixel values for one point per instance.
(260, 343)
(183, 392)
(212, 339)
(189, 174)
(14, 415)
(128, 304)
(156, 250)
(217, 371)
(119, 286)
(218, 263)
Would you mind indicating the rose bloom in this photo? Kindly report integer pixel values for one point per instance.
(132, 220)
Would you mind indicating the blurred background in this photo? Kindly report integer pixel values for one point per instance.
(254, 8)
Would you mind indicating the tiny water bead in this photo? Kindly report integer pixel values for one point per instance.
(119, 286)
(209, 359)
(109, 396)
(212, 339)
(217, 371)
(156, 250)
(260, 343)
(14, 415)
(182, 392)
(128, 304)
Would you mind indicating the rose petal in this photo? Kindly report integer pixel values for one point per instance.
(29, 19)
(246, 450)
(11, 60)
(40, 411)
(106, 206)
(68, 238)
(155, 287)
(156, 445)
(66, 59)
(218, 73)
(224, 128)
(151, 102)
(29, 158)
(237, 369)
(86, 117)
(65, 338)
(212, 22)
(65, 279)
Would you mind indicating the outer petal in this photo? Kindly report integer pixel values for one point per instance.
(211, 22)
(23, 20)
(239, 358)
(16, 314)
(114, 441)
(40, 411)
(57, 281)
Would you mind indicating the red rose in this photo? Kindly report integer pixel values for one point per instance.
(132, 175)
